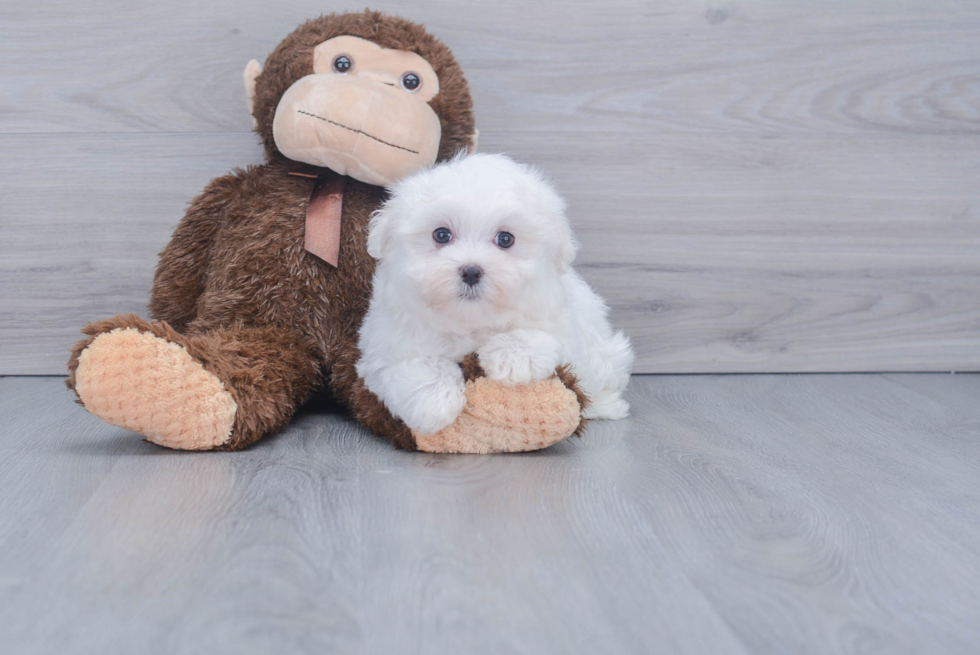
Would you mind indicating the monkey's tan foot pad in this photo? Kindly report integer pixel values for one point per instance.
(504, 419)
(149, 385)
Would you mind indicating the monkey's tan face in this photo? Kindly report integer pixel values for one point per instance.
(364, 112)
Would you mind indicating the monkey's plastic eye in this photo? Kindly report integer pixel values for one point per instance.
(343, 64)
(504, 239)
(411, 82)
(442, 235)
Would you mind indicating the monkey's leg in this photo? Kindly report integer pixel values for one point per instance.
(506, 419)
(223, 388)
(496, 418)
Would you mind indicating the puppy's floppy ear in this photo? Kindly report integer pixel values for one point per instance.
(564, 241)
(379, 232)
(539, 194)
(567, 246)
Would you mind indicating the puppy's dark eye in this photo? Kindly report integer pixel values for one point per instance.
(504, 239)
(411, 82)
(442, 235)
(343, 64)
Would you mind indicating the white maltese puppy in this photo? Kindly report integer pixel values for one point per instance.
(474, 256)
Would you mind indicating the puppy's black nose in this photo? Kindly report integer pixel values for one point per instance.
(471, 274)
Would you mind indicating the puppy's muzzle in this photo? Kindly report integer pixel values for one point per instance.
(471, 274)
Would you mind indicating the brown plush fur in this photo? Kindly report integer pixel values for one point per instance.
(472, 370)
(236, 287)
(266, 371)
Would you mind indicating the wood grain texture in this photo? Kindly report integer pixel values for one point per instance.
(81, 231)
(624, 65)
(758, 187)
(715, 253)
(729, 514)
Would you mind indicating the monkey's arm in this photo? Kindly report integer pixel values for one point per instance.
(181, 273)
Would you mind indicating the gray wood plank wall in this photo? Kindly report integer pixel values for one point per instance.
(758, 186)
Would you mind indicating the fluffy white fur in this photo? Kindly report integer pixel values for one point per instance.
(528, 313)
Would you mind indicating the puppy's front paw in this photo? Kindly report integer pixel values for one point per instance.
(520, 357)
(432, 409)
(426, 393)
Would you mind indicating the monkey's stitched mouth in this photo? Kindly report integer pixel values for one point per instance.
(370, 136)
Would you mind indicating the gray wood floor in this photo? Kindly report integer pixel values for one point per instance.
(730, 514)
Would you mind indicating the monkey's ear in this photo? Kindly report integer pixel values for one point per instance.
(252, 71)
(474, 140)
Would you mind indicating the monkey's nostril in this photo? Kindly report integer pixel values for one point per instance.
(471, 274)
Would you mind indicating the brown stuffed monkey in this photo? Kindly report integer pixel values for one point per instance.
(262, 289)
